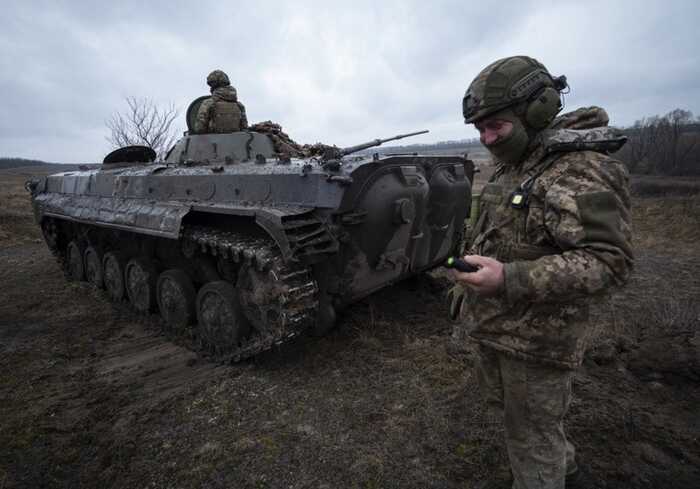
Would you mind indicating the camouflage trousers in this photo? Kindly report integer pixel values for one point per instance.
(533, 399)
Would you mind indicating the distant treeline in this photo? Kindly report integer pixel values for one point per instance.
(663, 145)
(8, 163)
(19, 162)
(657, 145)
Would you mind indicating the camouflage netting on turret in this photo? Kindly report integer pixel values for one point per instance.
(283, 144)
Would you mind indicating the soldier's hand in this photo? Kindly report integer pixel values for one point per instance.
(487, 281)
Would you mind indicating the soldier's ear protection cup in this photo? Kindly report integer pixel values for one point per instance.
(542, 108)
(541, 93)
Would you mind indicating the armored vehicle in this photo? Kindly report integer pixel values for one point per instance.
(242, 247)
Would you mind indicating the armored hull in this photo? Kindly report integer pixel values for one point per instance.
(242, 248)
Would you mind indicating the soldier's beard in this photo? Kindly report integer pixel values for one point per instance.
(511, 149)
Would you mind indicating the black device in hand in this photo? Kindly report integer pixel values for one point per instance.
(461, 265)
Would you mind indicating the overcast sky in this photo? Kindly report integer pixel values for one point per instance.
(336, 72)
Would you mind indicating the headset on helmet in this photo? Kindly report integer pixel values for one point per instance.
(515, 81)
(544, 100)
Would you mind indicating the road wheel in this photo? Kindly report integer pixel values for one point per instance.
(75, 270)
(93, 267)
(50, 231)
(176, 299)
(113, 265)
(221, 323)
(140, 279)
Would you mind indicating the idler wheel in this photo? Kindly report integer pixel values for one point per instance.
(113, 265)
(176, 297)
(140, 278)
(221, 323)
(93, 267)
(50, 232)
(75, 269)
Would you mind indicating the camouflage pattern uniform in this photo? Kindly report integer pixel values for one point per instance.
(568, 241)
(222, 113)
(571, 241)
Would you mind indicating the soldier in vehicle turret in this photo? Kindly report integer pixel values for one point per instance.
(222, 112)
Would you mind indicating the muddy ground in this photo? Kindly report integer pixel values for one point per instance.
(93, 396)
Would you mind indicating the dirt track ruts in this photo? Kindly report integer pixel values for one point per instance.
(95, 396)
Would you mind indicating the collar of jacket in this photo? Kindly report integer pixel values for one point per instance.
(534, 157)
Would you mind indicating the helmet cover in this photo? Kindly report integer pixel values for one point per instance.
(505, 83)
(217, 78)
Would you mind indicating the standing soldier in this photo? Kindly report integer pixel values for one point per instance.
(222, 112)
(553, 231)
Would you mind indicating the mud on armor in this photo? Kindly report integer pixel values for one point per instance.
(244, 248)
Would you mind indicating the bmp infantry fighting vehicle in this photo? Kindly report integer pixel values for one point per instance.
(242, 247)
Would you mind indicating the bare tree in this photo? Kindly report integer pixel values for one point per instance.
(144, 123)
(679, 144)
(643, 140)
(665, 145)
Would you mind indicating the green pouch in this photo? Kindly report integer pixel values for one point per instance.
(600, 216)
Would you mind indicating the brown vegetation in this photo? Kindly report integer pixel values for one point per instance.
(95, 396)
(656, 186)
(16, 221)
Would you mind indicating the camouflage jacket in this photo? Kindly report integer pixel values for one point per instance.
(570, 241)
(221, 113)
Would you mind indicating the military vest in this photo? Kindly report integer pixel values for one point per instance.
(511, 224)
(225, 117)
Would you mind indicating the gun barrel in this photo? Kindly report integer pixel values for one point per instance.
(378, 142)
(401, 136)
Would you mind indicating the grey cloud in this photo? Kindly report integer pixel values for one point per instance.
(332, 72)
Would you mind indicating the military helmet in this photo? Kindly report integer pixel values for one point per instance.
(217, 78)
(512, 81)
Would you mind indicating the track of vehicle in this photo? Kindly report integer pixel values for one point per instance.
(286, 294)
(261, 303)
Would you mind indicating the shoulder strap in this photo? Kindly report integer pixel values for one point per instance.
(497, 173)
(525, 188)
(481, 219)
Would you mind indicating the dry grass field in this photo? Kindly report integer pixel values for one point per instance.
(95, 396)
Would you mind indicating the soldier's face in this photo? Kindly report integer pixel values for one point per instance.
(492, 130)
